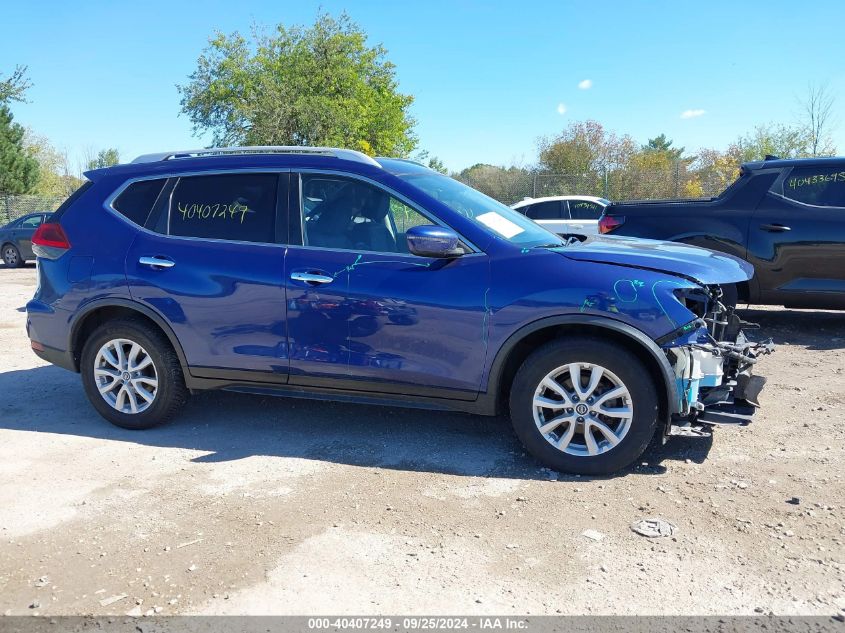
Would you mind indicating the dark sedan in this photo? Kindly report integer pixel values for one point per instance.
(16, 238)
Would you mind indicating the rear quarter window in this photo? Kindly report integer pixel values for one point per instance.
(544, 211)
(137, 200)
(819, 187)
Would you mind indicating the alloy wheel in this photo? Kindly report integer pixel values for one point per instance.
(583, 409)
(125, 376)
(10, 256)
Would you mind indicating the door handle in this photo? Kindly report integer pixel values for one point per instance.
(311, 278)
(577, 226)
(156, 262)
(775, 228)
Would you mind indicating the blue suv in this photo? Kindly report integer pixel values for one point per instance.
(324, 273)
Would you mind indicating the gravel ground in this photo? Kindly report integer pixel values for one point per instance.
(254, 505)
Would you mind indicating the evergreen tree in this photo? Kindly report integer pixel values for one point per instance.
(18, 169)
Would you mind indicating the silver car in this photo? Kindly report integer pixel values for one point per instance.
(565, 215)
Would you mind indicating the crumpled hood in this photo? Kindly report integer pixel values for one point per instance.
(700, 264)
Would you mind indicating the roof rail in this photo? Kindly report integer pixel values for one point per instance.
(345, 154)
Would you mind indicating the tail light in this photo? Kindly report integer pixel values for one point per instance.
(49, 241)
(608, 223)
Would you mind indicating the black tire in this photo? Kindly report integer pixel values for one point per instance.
(622, 365)
(730, 295)
(171, 392)
(12, 256)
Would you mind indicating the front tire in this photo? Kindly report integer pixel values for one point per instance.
(584, 405)
(132, 375)
(12, 256)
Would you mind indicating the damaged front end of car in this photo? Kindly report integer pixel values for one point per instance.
(713, 362)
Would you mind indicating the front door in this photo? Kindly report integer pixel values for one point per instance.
(797, 239)
(215, 272)
(365, 314)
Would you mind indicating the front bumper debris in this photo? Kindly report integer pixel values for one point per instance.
(714, 376)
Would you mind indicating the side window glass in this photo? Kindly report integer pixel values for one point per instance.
(33, 222)
(524, 210)
(349, 214)
(403, 218)
(816, 186)
(545, 211)
(238, 207)
(584, 210)
(137, 200)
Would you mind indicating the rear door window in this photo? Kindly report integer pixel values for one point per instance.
(33, 222)
(585, 210)
(545, 211)
(238, 207)
(816, 186)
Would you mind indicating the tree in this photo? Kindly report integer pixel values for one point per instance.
(18, 169)
(585, 147)
(320, 85)
(779, 140)
(432, 162)
(662, 144)
(54, 173)
(104, 158)
(817, 113)
(713, 170)
(14, 88)
(505, 184)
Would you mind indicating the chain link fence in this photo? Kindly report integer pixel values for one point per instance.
(512, 185)
(12, 207)
(509, 186)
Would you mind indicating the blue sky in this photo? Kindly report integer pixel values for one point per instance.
(489, 77)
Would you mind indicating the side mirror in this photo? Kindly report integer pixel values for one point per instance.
(428, 240)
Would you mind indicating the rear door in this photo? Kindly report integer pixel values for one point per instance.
(584, 216)
(24, 232)
(550, 214)
(797, 239)
(212, 265)
(364, 313)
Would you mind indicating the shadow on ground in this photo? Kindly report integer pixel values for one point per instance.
(28, 264)
(813, 329)
(230, 426)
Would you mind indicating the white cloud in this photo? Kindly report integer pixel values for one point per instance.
(691, 114)
(561, 108)
(586, 84)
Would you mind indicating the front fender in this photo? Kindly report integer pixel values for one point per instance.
(642, 341)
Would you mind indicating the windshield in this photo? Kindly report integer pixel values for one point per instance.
(502, 221)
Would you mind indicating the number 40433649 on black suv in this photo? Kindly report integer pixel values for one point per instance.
(324, 273)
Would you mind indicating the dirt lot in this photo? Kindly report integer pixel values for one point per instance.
(261, 505)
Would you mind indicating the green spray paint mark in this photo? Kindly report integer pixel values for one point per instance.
(657, 300)
(358, 262)
(485, 323)
(588, 303)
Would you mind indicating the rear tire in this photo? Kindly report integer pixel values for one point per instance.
(596, 428)
(12, 256)
(132, 375)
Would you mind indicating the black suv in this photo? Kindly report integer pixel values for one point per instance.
(786, 217)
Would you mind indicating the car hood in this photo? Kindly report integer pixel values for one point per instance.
(698, 264)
